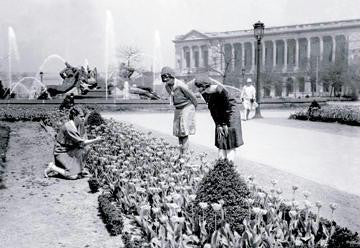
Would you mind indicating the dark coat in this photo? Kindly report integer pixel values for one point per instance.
(224, 111)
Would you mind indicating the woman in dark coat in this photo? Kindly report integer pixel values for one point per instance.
(226, 115)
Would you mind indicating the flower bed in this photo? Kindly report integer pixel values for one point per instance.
(160, 195)
(349, 115)
(155, 199)
(4, 140)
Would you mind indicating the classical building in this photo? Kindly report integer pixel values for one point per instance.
(290, 55)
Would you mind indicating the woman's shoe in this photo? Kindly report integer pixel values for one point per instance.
(48, 169)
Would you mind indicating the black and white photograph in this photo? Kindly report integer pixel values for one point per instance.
(179, 124)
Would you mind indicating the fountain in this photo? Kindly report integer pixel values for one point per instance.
(30, 91)
(13, 51)
(46, 60)
(157, 58)
(126, 90)
(86, 63)
(110, 52)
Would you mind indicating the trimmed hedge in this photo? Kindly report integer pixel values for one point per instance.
(4, 140)
(94, 119)
(93, 185)
(349, 115)
(223, 182)
(111, 215)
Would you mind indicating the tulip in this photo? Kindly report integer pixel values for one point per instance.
(251, 178)
(292, 214)
(216, 207)
(307, 204)
(203, 205)
(306, 194)
(274, 182)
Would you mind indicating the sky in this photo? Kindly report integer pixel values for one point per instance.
(76, 29)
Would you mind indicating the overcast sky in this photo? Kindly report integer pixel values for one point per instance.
(75, 29)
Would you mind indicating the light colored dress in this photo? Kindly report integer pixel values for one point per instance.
(248, 93)
(184, 102)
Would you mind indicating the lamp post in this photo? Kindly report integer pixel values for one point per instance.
(243, 75)
(258, 33)
(41, 76)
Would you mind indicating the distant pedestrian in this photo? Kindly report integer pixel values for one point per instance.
(226, 115)
(71, 147)
(185, 103)
(68, 102)
(248, 97)
(314, 106)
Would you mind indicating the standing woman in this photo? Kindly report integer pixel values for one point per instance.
(226, 115)
(185, 103)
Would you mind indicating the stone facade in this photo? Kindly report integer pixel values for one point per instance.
(292, 53)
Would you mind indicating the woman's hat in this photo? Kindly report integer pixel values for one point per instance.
(167, 70)
(203, 81)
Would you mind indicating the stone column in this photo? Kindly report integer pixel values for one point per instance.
(274, 54)
(253, 54)
(307, 90)
(333, 48)
(243, 55)
(285, 56)
(263, 53)
(284, 88)
(232, 57)
(308, 49)
(297, 47)
(321, 44)
(192, 62)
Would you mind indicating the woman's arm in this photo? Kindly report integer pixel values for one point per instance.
(92, 141)
(189, 95)
(168, 89)
(226, 105)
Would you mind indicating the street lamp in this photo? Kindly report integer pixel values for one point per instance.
(258, 33)
(41, 76)
(243, 75)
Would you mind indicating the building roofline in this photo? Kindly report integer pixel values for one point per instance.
(274, 29)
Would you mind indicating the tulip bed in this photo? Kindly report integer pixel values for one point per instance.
(4, 139)
(349, 115)
(156, 199)
(159, 197)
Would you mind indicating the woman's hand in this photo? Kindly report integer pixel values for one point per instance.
(220, 132)
(225, 130)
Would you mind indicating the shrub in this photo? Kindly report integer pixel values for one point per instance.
(349, 115)
(94, 119)
(93, 185)
(223, 183)
(344, 238)
(111, 215)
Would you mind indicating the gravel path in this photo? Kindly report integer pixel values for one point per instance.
(42, 213)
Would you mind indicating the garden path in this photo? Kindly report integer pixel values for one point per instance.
(39, 212)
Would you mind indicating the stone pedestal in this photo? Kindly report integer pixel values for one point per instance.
(272, 91)
(321, 89)
(307, 88)
(284, 89)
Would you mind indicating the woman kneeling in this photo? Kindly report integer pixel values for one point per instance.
(71, 147)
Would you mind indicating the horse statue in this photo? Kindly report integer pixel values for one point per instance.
(82, 79)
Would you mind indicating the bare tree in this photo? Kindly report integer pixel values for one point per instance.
(220, 63)
(131, 55)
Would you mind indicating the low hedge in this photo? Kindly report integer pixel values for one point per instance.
(110, 214)
(349, 115)
(4, 140)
